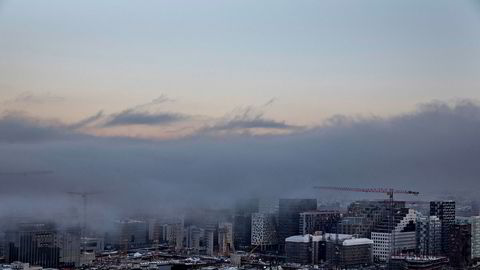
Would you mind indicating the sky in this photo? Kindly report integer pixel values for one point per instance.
(316, 59)
(186, 102)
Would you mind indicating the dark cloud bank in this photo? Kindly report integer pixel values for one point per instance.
(433, 149)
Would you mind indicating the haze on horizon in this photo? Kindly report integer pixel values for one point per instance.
(196, 102)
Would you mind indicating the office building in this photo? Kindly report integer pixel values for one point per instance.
(289, 216)
(131, 234)
(350, 253)
(475, 234)
(475, 222)
(209, 240)
(69, 241)
(92, 244)
(44, 245)
(324, 221)
(461, 247)
(395, 236)
(338, 250)
(194, 235)
(242, 222)
(225, 238)
(263, 231)
(445, 211)
(429, 235)
(363, 216)
(302, 249)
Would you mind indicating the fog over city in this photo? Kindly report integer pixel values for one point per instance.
(239, 135)
(433, 149)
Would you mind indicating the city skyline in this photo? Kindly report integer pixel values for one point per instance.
(178, 103)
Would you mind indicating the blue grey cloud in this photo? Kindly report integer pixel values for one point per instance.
(132, 117)
(87, 121)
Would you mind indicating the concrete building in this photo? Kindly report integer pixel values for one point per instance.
(313, 221)
(70, 247)
(350, 253)
(155, 231)
(209, 240)
(302, 249)
(289, 216)
(179, 229)
(461, 248)
(131, 233)
(363, 216)
(475, 222)
(418, 262)
(475, 234)
(43, 244)
(225, 239)
(429, 235)
(263, 230)
(92, 244)
(445, 211)
(194, 234)
(397, 237)
(338, 250)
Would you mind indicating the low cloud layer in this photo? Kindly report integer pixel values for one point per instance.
(433, 149)
(246, 120)
(131, 117)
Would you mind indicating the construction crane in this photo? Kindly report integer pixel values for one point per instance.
(388, 191)
(84, 196)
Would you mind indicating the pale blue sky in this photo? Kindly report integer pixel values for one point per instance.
(317, 58)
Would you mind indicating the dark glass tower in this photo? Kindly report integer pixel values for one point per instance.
(242, 223)
(289, 216)
(445, 211)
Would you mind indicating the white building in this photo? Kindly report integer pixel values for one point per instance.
(402, 237)
(263, 229)
(475, 237)
(429, 235)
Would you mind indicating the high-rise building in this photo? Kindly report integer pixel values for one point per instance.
(363, 216)
(209, 241)
(44, 245)
(289, 216)
(461, 247)
(70, 247)
(263, 230)
(474, 223)
(179, 233)
(395, 236)
(429, 235)
(194, 234)
(132, 233)
(242, 222)
(225, 238)
(445, 211)
(313, 221)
